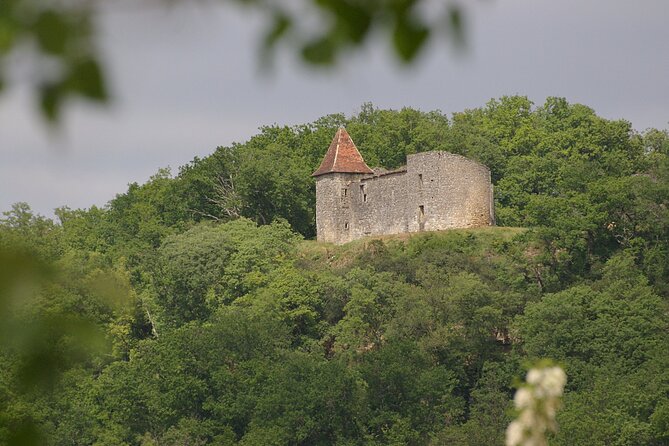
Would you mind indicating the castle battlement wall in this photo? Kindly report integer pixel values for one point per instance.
(435, 191)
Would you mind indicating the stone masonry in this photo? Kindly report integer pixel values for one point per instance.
(435, 191)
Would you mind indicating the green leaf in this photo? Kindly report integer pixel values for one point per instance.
(7, 35)
(408, 38)
(282, 23)
(455, 21)
(25, 434)
(321, 51)
(50, 100)
(52, 31)
(353, 18)
(280, 26)
(86, 78)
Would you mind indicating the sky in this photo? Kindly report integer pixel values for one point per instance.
(186, 80)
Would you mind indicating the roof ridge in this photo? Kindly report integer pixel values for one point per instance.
(338, 135)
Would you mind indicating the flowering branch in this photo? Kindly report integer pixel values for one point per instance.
(537, 402)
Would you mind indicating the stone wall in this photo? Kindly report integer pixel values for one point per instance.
(333, 219)
(453, 191)
(378, 205)
(436, 190)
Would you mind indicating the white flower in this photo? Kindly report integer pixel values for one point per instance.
(553, 381)
(550, 410)
(514, 434)
(534, 376)
(537, 402)
(523, 398)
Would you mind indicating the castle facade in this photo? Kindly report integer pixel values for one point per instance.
(435, 191)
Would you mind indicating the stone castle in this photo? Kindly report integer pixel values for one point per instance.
(435, 191)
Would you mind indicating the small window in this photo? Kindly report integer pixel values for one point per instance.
(421, 213)
(420, 179)
(362, 193)
(346, 225)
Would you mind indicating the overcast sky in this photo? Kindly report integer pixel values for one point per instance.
(186, 81)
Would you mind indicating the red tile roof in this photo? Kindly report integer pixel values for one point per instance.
(342, 156)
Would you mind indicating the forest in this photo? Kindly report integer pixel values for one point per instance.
(197, 308)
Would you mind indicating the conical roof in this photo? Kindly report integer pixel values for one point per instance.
(342, 157)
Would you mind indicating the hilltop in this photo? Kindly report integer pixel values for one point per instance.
(479, 241)
(198, 309)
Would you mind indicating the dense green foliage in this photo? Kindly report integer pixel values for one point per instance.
(191, 310)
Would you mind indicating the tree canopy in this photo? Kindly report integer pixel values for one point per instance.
(196, 309)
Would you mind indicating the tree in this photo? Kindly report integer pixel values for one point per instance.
(262, 338)
(209, 266)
